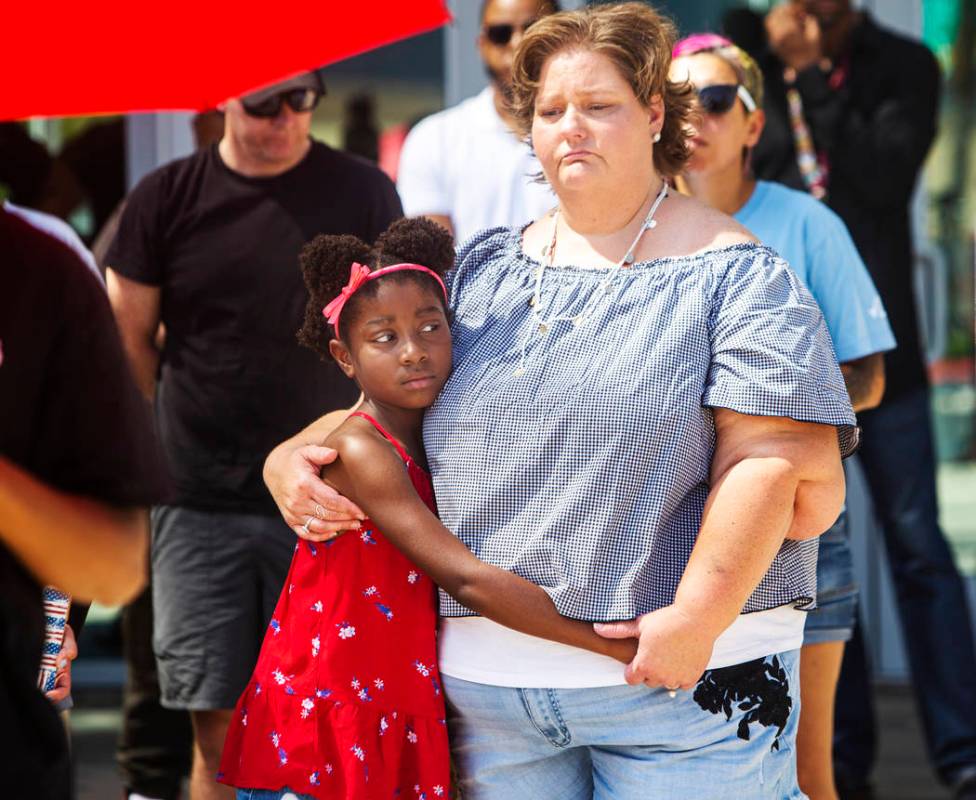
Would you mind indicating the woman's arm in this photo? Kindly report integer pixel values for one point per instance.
(369, 471)
(292, 473)
(772, 479)
(86, 548)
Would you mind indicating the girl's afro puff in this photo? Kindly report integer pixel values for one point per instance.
(418, 241)
(326, 260)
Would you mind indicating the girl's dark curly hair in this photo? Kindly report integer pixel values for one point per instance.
(325, 262)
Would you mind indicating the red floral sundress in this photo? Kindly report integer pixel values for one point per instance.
(345, 700)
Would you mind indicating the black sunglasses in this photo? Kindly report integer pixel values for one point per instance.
(502, 34)
(299, 101)
(720, 97)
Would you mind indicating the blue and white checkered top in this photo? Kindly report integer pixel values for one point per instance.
(588, 473)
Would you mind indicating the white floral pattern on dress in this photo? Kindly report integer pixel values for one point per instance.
(367, 536)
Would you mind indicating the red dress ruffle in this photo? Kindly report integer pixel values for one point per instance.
(345, 700)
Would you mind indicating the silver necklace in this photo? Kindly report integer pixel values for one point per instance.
(537, 324)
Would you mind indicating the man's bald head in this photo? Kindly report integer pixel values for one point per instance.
(503, 22)
(544, 7)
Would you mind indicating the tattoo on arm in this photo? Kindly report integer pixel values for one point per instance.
(865, 380)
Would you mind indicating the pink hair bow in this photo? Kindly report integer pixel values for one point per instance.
(358, 275)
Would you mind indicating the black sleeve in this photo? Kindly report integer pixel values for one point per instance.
(137, 250)
(878, 153)
(96, 433)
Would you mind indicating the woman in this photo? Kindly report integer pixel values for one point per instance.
(643, 418)
(819, 249)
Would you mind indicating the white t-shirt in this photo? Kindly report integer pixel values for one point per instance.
(465, 163)
(481, 651)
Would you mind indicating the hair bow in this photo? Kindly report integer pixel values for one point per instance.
(358, 275)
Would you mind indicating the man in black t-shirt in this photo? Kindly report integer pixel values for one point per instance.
(851, 112)
(78, 466)
(208, 245)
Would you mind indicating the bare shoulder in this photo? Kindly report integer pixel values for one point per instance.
(696, 227)
(368, 470)
(357, 442)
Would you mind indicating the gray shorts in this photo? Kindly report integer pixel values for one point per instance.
(216, 578)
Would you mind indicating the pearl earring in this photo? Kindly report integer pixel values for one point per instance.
(657, 137)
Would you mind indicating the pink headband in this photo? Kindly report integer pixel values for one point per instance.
(698, 42)
(360, 274)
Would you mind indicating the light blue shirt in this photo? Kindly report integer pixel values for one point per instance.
(815, 243)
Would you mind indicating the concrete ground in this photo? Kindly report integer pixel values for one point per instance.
(902, 773)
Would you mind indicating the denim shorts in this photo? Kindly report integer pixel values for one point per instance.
(730, 738)
(270, 794)
(833, 618)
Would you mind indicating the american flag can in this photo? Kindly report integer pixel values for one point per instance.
(56, 606)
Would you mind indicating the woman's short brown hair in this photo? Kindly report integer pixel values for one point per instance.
(637, 40)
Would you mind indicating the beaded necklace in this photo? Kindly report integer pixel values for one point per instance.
(540, 325)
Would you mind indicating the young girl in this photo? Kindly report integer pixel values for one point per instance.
(345, 700)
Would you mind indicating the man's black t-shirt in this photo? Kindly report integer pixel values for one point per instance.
(875, 130)
(70, 415)
(223, 249)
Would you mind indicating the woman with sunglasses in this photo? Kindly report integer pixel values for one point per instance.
(645, 418)
(817, 246)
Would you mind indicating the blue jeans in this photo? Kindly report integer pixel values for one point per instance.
(899, 465)
(270, 794)
(833, 618)
(631, 742)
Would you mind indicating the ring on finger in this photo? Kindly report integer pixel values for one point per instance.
(319, 511)
(672, 691)
(308, 522)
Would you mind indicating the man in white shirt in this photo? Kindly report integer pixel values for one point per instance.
(465, 167)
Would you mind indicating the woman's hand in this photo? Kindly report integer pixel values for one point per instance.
(673, 649)
(310, 507)
(62, 680)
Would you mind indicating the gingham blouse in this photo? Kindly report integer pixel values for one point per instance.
(588, 472)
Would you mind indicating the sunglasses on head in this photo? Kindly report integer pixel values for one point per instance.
(720, 97)
(502, 34)
(299, 101)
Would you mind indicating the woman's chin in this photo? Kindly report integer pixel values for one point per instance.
(578, 175)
